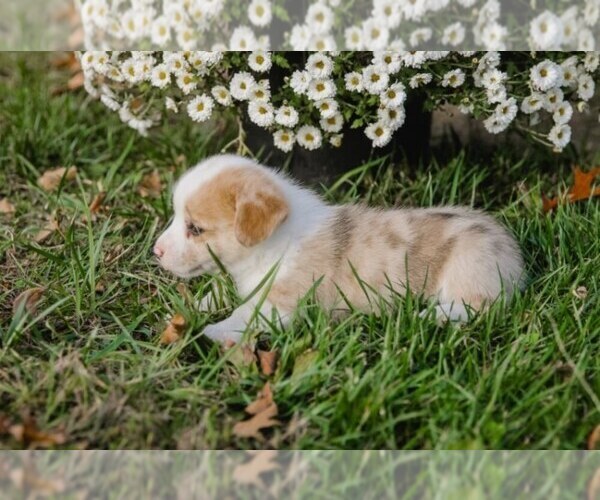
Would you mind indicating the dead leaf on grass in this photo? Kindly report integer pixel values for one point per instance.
(263, 411)
(580, 292)
(51, 179)
(268, 361)
(240, 355)
(28, 300)
(28, 480)
(6, 207)
(172, 333)
(29, 435)
(48, 230)
(593, 442)
(97, 202)
(581, 190)
(151, 185)
(249, 473)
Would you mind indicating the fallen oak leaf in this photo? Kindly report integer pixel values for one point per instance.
(151, 185)
(249, 473)
(581, 189)
(29, 435)
(593, 442)
(264, 400)
(51, 179)
(6, 207)
(96, 203)
(172, 333)
(48, 230)
(240, 355)
(28, 300)
(268, 361)
(262, 410)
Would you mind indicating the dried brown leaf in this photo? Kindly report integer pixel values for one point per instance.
(151, 185)
(29, 435)
(96, 203)
(268, 361)
(593, 442)
(582, 189)
(76, 81)
(6, 207)
(172, 333)
(249, 473)
(76, 39)
(48, 230)
(240, 355)
(51, 179)
(264, 400)
(28, 300)
(580, 292)
(593, 489)
(28, 480)
(262, 410)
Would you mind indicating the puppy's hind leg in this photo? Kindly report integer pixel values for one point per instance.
(442, 313)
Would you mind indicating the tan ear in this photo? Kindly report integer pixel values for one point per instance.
(260, 209)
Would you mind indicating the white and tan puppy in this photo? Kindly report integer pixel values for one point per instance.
(257, 221)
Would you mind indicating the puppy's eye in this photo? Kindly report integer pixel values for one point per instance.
(194, 230)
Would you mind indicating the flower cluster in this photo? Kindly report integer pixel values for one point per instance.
(312, 99)
(326, 25)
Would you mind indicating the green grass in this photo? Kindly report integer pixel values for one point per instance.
(90, 362)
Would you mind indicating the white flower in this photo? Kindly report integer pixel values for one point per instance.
(493, 78)
(132, 70)
(319, 18)
(546, 31)
(375, 34)
(569, 25)
(390, 59)
(507, 110)
(496, 94)
(300, 81)
(260, 61)
(322, 43)
(388, 11)
(261, 113)
(380, 133)
(414, 58)
(493, 35)
(161, 31)
(200, 108)
(284, 140)
(546, 75)
(413, 9)
(563, 113)
(176, 62)
(333, 123)
(171, 105)
(321, 88)
(454, 78)
(110, 103)
(532, 103)
(591, 12)
(495, 124)
(242, 39)
(586, 40)
(309, 137)
(353, 37)
(261, 91)
(260, 13)
(299, 37)
(591, 61)
(570, 73)
(375, 79)
(585, 87)
(419, 36)
(419, 80)
(222, 95)
(327, 107)
(241, 86)
(553, 98)
(454, 34)
(560, 136)
(287, 116)
(336, 140)
(319, 65)
(393, 117)
(187, 83)
(353, 81)
(394, 96)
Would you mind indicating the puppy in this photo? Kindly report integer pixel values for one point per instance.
(259, 223)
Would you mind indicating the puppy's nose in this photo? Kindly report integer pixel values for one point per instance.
(158, 251)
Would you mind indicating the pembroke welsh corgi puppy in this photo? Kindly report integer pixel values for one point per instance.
(259, 223)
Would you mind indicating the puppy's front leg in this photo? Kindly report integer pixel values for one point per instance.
(232, 328)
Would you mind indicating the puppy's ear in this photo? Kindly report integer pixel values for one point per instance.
(260, 209)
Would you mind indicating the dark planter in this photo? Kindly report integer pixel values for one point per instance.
(325, 165)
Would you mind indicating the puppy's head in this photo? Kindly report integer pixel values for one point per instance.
(225, 206)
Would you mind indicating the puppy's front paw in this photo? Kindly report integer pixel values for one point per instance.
(221, 333)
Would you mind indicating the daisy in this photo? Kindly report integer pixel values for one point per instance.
(260, 61)
(394, 96)
(375, 34)
(591, 61)
(187, 82)
(327, 107)
(299, 37)
(132, 70)
(353, 81)
(496, 94)
(419, 80)
(261, 91)
(319, 65)
(260, 13)
(394, 117)
(454, 78)
(222, 95)
(507, 110)
(380, 133)
(375, 79)
(321, 88)
(284, 140)
(176, 62)
(494, 124)
(336, 140)
(110, 103)
(200, 108)
(309, 137)
(419, 36)
(563, 113)
(333, 123)
(388, 11)
(242, 39)
(322, 43)
(287, 116)
(569, 69)
(161, 31)
(413, 58)
(300, 81)
(171, 105)
(319, 18)
(560, 136)
(161, 77)
(585, 87)
(493, 78)
(552, 99)
(389, 59)
(546, 31)
(353, 37)
(546, 75)
(532, 103)
(454, 34)
(261, 113)
(241, 86)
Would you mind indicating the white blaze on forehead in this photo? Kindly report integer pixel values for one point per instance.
(202, 173)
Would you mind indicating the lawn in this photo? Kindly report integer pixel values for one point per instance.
(89, 363)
